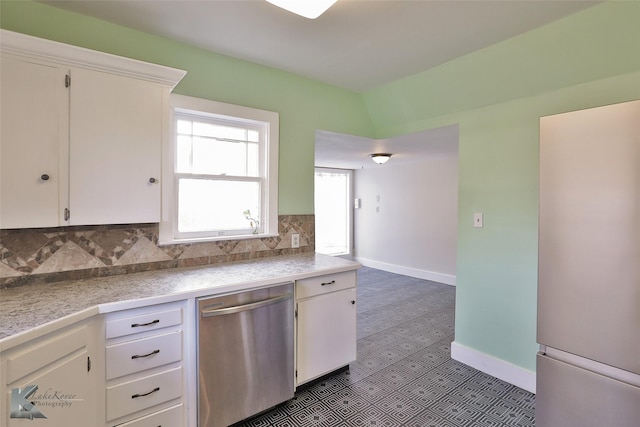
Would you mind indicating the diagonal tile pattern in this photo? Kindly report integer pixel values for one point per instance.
(69, 253)
(32, 255)
(404, 375)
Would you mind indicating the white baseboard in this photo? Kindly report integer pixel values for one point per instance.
(493, 366)
(447, 279)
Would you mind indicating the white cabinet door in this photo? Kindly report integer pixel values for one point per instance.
(33, 129)
(115, 145)
(53, 381)
(326, 334)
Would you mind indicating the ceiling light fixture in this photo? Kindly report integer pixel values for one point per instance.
(308, 8)
(380, 158)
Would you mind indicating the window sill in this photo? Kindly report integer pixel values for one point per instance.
(189, 240)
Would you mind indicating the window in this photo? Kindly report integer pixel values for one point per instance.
(222, 164)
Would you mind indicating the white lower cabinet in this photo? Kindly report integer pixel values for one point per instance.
(54, 381)
(144, 353)
(171, 417)
(326, 324)
(144, 367)
(136, 367)
(142, 393)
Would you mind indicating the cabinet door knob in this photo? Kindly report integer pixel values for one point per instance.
(44, 177)
(353, 302)
(153, 180)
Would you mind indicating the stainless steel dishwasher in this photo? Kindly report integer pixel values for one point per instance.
(245, 354)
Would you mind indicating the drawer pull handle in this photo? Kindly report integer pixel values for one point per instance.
(136, 325)
(328, 283)
(138, 356)
(145, 394)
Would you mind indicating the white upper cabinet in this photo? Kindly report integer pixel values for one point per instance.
(115, 146)
(34, 119)
(82, 135)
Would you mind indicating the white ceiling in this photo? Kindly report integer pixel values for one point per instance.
(356, 45)
(336, 150)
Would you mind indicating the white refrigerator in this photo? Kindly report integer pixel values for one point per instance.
(588, 367)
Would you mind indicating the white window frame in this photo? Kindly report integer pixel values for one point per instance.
(169, 233)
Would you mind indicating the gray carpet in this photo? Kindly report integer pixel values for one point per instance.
(404, 375)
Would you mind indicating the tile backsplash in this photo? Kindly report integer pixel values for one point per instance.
(52, 254)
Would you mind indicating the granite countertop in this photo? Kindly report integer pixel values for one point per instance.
(24, 308)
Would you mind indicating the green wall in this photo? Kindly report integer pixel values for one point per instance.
(304, 105)
(497, 96)
(600, 42)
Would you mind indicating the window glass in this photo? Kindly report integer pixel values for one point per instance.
(183, 154)
(207, 148)
(207, 205)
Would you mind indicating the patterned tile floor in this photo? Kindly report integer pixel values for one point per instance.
(404, 375)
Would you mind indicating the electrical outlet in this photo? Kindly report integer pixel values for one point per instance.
(295, 241)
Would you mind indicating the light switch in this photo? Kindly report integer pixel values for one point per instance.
(478, 220)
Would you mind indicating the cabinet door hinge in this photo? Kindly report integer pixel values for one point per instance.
(67, 214)
(88, 364)
(296, 373)
(67, 80)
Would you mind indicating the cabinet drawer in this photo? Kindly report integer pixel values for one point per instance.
(133, 396)
(168, 417)
(141, 354)
(143, 322)
(325, 284)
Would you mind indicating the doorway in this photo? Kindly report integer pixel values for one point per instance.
(334, 211)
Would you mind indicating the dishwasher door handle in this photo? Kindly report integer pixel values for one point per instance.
(244, 307)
